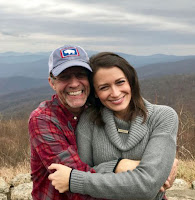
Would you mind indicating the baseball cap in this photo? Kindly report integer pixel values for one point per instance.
(68, 56)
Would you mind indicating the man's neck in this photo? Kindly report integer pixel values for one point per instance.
(77, 112)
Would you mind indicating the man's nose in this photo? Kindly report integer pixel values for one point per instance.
(74, 82)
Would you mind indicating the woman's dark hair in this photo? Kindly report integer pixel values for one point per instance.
(108, 60)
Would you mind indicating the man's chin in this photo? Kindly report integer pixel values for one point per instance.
(76, 105)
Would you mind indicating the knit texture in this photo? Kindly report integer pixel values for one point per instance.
(154, 143)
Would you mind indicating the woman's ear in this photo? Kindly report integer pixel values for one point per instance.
(51, 83)
(96, 96)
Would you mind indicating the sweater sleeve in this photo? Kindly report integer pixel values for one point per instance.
(84, 145)
(145, 181)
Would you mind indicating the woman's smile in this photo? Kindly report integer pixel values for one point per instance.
(117, 101)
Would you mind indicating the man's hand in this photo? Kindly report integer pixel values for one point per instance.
(171, 178)
(60, 178)
(126, 164)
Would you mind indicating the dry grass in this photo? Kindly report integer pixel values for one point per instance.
(186, 135)
(14, 142)
(14, 148)
(186, 170)
(8, 173)
(15, 151)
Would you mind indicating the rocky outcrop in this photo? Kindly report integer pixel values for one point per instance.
(179, 184)
(4, 189)
(3, 197)
(22, 192)
(181, 191)
(193, 185)
(20, 179)
(20, 188)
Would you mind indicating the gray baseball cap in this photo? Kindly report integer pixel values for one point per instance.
(68, 56)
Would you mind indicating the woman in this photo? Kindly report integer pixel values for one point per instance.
(121, 124)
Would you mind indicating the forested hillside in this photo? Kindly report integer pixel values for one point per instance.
(175, 91)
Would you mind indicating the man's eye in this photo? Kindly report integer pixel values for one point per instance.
(63, 77)
(81, 75)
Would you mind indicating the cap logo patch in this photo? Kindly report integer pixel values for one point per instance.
(69, 52)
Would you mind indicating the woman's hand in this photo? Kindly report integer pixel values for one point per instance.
(60, 178)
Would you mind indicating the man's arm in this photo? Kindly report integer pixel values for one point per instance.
(52, 146)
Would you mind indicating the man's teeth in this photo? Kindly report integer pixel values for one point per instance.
(75, 93)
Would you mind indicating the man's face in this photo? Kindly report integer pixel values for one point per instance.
(72, 87)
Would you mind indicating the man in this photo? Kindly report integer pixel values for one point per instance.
(52, 124)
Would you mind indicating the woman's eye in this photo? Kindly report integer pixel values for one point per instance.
(120, 82)
(103, 88)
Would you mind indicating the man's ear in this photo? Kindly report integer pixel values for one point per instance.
(51, 83)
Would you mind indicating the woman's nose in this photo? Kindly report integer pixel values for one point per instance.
(115, 92)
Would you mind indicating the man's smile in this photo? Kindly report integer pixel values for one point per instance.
(75, 93)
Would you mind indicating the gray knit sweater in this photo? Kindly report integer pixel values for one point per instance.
(154, 143)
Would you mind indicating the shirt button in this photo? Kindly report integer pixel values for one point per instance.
(75, 118)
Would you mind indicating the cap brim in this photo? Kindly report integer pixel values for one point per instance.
(56, 71)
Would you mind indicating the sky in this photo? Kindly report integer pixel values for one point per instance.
(138, 27)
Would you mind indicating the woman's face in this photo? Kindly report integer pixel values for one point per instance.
(113, 90)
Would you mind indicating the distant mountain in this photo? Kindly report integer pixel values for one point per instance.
(36, 65)
(18, 83)
(17, 64)
(163, 69)
(20, 104)
(139, 61)
(176, 91)
(35, 69)
(15, 57)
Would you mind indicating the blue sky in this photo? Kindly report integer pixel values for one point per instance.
(134, 27)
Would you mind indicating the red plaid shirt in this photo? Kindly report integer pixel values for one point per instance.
(51, 129)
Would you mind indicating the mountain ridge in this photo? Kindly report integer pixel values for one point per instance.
(163, 69)
(36, 65)
(20, 82)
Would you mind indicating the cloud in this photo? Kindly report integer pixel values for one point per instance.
(98, 24)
